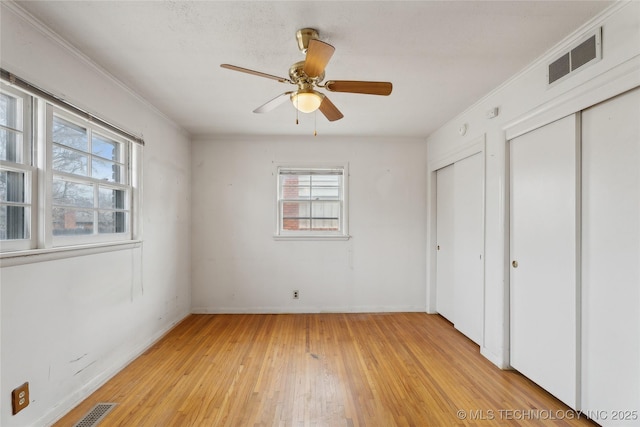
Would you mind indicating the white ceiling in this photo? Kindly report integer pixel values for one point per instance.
(441, 56)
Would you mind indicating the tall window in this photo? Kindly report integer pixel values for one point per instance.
(90, 187)
(64, 179)
(16, 171)
(312, 202)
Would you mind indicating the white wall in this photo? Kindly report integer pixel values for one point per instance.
(237, 266)
(69, 324)
(522, 101)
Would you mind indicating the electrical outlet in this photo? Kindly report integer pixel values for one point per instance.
(20, 398)
(296, 294)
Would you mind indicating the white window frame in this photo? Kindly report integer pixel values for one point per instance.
(342, 233)
(95, 237)
(26, 167)
(39, 108)
(30, 185)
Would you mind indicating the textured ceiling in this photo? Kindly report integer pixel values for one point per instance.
(441, 56)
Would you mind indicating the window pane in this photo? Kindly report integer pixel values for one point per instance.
(296, 224)
(325, 210)
(295, 180)
(112, 222)
(290, 192)
(9, 111)
(12, 186)
(296, 210)
(69, 161)
(304, 180)
(14, 222)
(326, 180)
(301, 179)
(69, 222)
(110, 198)
(10, 146)
(107, 171)
(332, 193)
(69, 134)
(325, 224)
(105, 148)
(72, 194)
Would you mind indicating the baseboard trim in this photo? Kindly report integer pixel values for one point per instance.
(306, 310)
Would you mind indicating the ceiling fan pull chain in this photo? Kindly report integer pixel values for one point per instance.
(297, 122)
(315, 123)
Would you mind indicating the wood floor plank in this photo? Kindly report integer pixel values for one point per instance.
(400, 369)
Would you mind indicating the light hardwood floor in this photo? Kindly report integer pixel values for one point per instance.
(400, 369)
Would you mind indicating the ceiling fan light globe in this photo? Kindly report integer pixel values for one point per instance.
(306, 102)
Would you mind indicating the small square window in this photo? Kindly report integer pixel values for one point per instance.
(312, 202)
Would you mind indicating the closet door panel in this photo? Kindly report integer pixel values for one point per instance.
(611, 258)
(469, 247)
(543, 279)
(445, 238)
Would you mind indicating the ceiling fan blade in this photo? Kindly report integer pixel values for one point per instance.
(329, 110)
(353, 86)
(255, 73)
(270, 105)
(318, 55)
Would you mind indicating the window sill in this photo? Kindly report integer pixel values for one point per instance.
(309, 237)
(9, 259)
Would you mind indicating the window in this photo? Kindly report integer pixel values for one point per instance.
(65, 179)
(312, 202)
(90, 189)
(16, 171)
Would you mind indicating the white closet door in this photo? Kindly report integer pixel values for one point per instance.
(469, 247)
(543, 234)
(445, 239)
(611, 259)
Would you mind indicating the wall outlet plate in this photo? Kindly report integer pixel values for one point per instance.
(20, 398)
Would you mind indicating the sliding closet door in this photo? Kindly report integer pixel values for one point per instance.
(445, 239)
(611, 259)
(543, 279)
(469, 247)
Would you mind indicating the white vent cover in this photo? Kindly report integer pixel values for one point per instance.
(588, 51)
(95, 415)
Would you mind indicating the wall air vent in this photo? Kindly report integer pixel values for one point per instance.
(588, 51)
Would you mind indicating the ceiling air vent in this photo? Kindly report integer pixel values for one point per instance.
(588, 51)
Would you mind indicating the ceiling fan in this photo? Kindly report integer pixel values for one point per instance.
(308, 75)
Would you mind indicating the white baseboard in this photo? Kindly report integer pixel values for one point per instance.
(306, 310)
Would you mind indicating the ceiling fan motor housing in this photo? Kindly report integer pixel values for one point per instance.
(303, 36)
(299, 77)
